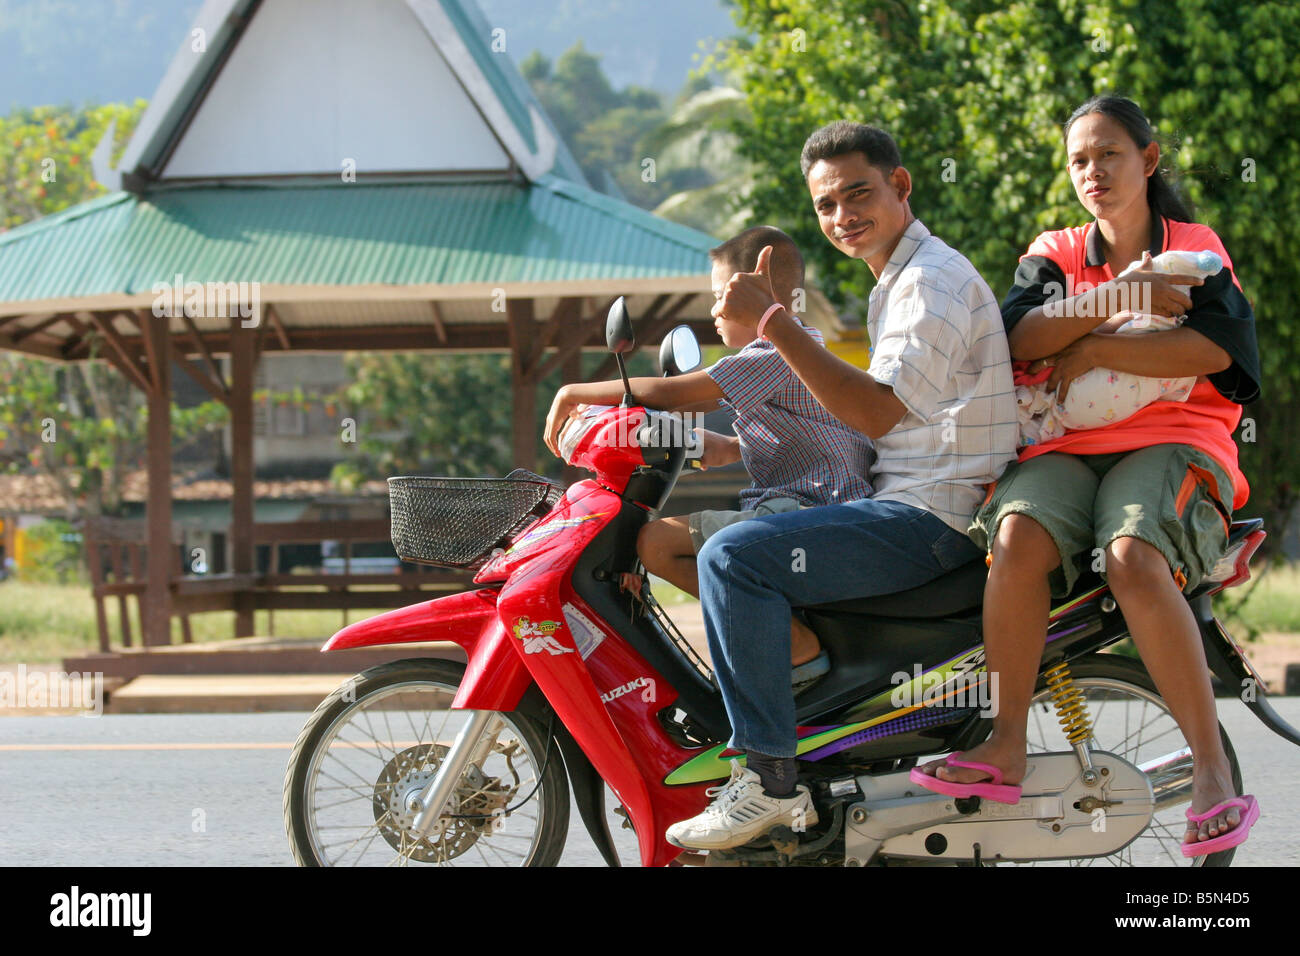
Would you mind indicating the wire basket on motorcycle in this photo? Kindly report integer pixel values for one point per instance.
(458, 522)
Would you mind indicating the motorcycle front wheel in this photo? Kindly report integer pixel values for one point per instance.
(380, 737)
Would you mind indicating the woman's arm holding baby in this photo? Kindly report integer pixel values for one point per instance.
(1176, 353)
(1049, 329)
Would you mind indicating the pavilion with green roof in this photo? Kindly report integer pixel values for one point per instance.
(333, 180)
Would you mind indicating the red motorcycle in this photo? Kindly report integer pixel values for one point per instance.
(572, 680)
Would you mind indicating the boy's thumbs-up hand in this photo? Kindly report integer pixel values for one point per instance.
(747, 295)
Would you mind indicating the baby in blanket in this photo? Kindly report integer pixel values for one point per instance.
(1102, 396)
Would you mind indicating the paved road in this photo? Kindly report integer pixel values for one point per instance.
(88, 794)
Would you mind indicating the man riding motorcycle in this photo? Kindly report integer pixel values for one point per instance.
(937, 400)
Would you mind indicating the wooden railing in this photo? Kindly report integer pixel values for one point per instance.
(116, 551)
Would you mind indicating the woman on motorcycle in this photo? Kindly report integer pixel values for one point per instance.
(1148, 499)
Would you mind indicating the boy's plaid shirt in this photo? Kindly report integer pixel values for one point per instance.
(791, 446)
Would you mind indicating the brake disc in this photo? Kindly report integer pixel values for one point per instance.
(469, 814)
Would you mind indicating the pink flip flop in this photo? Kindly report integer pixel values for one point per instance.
(1237, 835)
(993, 789)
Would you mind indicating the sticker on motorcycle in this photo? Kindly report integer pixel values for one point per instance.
(550, 528)
(537, 636)
(585, 634)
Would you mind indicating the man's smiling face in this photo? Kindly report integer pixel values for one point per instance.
(861, 209)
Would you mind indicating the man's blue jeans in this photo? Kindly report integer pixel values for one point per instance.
(751, 574)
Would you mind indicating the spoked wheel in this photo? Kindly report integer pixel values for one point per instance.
(379, 740)
(1130, 720)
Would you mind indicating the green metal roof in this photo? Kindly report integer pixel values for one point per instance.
(341, 235)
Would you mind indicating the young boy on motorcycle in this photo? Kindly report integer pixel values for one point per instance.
(796, 452)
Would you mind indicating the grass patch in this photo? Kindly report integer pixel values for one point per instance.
(1270, 601)
(44, 623)
(667, 594)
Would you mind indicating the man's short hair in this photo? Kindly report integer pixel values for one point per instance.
(740, 254)
(842, 137)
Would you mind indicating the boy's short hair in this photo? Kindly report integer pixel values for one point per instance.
(740, 254)
(844, 136)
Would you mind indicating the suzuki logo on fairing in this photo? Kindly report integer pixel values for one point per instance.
(537, 636)
(647, 695)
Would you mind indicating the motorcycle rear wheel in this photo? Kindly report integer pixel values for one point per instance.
(373, 742)
(1131, 720)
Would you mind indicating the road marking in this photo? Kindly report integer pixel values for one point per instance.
(158, 746)
(211, 745)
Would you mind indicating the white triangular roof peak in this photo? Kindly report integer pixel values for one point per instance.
(324, 87)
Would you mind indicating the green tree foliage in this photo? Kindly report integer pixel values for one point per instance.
(45, 157)
(422, 414)
(976, 92)
(447, 415)
(83, 425)
(602, 126)
(53, 553)
(650, 152)
(699, 137)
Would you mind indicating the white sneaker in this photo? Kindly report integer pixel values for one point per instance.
(741, 812)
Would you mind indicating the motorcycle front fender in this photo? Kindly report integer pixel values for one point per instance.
(495, 677)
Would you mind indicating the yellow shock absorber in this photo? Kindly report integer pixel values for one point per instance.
(1071, 708)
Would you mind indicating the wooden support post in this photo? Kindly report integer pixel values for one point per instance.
(95, 564)
(119, 575)
(242, 549)
(439, 326)
(135, 553)
(118, 354)
(523, 387)
(156, 613)
(204, 351)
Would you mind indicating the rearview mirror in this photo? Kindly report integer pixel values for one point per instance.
(618, 328)
(680, 352)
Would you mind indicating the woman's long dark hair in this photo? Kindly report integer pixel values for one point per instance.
(1161, 196)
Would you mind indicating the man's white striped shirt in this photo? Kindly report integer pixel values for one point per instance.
(938, 340)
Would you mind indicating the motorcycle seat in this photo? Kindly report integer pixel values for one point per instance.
(963, 590)
(951, 593)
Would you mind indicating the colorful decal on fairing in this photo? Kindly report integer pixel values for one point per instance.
(934, 690)
(935, 687)
(1071, 605)
(537, 636)
(550, 528)
(585, 634)
(647, 695)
